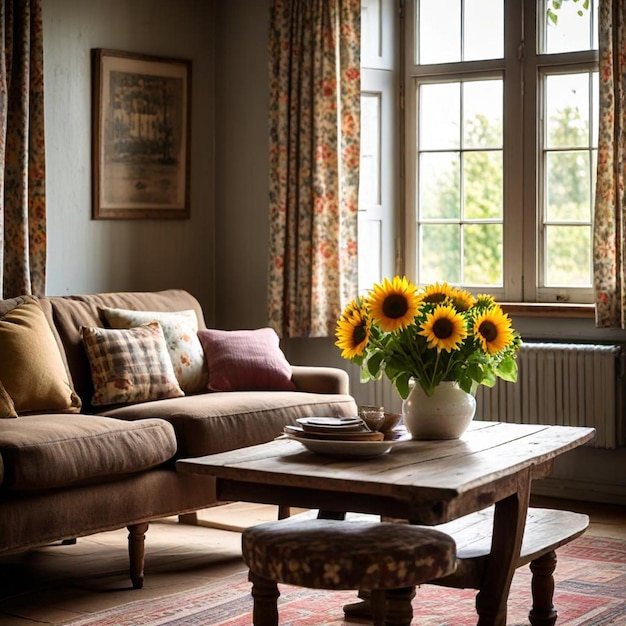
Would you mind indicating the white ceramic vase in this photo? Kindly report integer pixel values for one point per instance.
(444, 415)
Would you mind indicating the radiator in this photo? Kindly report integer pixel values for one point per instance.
(562, 384)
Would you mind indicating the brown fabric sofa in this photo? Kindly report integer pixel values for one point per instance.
(70, 474)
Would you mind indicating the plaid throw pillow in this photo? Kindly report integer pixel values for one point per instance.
(180, 329)
(129, 365)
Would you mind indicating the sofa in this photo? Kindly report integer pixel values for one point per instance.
(100, 395)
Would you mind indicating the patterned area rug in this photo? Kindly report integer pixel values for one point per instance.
(590, 591)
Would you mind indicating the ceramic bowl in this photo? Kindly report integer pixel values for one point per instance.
(390, 422)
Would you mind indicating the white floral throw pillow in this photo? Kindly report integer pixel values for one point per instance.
(181, 336)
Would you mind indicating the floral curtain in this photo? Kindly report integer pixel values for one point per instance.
(22, 162)
(610, 208)
(314, 57)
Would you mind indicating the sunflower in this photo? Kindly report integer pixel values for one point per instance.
(436, 294)
(493, 329)
(484, 300)
(444, 328)
(353, 333)
(352, 308)
(463, 300)
(393, 305)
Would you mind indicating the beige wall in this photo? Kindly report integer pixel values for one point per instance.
(87, 256)
(242, 166)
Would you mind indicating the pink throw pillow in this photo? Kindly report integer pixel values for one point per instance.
(243, 360)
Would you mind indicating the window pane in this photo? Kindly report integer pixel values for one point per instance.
(369, 182)
(439, 118)
(484, 30)
(482, 255)
(567, 110)
(568, 186)
(482, 185)
(370, 231)
(568, 29)
(482, 114)
(440, 253)
(439, 39)
(439, 186)
(371, 44)
(568, 256)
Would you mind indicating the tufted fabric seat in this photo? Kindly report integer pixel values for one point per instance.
(388, 559)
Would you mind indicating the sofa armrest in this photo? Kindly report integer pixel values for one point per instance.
(317, 379)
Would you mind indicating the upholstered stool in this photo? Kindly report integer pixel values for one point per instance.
(388, 559)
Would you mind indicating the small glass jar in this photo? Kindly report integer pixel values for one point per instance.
(373, 416)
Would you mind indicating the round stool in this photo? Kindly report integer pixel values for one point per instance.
(386, 558)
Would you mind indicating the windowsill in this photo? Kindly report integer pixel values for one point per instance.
(544, 309)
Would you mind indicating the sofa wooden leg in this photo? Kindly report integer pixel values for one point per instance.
(188, 518)
(137, 552)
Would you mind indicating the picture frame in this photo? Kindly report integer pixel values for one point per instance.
(140, 136)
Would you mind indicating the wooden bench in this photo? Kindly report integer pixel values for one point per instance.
(545, 531)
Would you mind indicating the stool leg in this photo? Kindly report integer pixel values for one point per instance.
(358, 609)
(399, 609)
(265, 594)
(543, 612)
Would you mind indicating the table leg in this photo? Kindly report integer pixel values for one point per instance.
(508, 531)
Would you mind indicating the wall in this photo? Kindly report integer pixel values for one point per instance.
(242, 167)
(87, 256)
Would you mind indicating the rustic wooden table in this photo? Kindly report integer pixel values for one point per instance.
(425, 482)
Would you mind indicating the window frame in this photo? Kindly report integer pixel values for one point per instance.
(523, 179)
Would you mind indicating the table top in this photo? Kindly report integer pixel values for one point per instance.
(445, 478)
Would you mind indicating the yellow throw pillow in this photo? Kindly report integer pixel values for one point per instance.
(31, 366)
(6, 404)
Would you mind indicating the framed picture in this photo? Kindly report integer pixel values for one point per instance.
(141, 119)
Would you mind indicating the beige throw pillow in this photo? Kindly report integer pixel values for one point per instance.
(31, 366)
(129, 365)
(180, 329)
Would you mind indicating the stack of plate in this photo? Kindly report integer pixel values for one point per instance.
(339, 437)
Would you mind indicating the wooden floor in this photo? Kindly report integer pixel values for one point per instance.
(56, 584)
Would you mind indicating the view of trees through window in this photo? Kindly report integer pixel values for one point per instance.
(461, 199)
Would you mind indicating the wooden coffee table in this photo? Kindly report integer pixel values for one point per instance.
(425, 482)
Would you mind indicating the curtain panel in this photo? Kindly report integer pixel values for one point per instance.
(314, 63)
(22, 157)
(610, 206)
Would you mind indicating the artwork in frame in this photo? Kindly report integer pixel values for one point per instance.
(141, 120)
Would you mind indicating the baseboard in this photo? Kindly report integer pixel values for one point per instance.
(605, 493)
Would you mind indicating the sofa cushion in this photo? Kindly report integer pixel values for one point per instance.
(52, 450)
(241, 360)
(130, 365)
(181, 336)
(216, 422)
(31, 368)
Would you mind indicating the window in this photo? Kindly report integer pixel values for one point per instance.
(499, 139)
(378, 188)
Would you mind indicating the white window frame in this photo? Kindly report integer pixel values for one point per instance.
(522, 187)
(380, 78)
